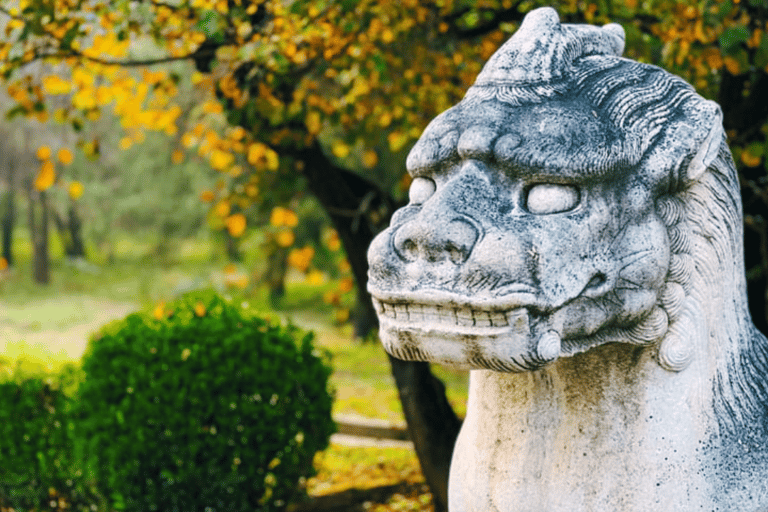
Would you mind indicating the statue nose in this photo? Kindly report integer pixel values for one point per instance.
(436, 240)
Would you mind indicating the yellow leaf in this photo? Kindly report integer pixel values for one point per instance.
(273, 162)
(300, 259)
(332, 298)
(750, 160)
(334, 243)
(283, 217)
(125, 143)
(188, 140)
(236, 224)
(75, 190)
(207, 196)
(340, 149)
(346, 285)
(291, 219)
(43, 153)
(177, 156)
(54, 85)
(255, 152)
(732, 65)
(342, 315)
(3, 264)
(212, 107)
(370, 158)
(220, 160)
(187, 352)
(46, 176)
(222, 208)
(251, 190)
(315, 278)
(397, 141)
(159, 311)
(313, 122)
(285, 238)
(65, 156)
(199, 308)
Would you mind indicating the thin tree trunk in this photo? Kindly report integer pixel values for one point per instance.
(432, 423)
(63, 230)
(75, 225)
(39, 234)
(274, 274)
(233, 249)
(9, 218)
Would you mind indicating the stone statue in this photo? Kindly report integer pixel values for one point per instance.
(574, 236)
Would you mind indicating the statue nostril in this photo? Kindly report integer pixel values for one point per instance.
(410, 250)
(596, 286)
(596, 281)
(435, 241)
(457, 255)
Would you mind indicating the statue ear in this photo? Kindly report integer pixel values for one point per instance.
(687, 146)
(709, 147)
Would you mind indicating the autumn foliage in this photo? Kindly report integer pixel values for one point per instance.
(352, 83)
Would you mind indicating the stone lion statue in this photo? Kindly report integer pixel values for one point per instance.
(574, 236)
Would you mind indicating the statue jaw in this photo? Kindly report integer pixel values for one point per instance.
(510, 336)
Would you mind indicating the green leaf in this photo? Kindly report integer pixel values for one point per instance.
(732, 39)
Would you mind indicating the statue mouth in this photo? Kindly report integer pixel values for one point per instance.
(451, 318)
(441, 327)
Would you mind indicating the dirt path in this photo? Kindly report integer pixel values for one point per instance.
(58, 326)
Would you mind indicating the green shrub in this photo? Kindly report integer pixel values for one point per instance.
(210, 409)
(36, 453)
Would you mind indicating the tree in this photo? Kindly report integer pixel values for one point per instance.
(324, 96)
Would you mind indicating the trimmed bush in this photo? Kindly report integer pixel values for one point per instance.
(210, 409)
(36, 449)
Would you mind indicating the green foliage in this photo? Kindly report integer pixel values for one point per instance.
(36, 439)
(209, 408)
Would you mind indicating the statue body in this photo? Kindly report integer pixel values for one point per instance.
(574, 236)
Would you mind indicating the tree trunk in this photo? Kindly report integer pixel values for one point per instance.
(274, 274)
(39, 233)
(233, 249)
(432, 423)
(9, 217)
(75, 226)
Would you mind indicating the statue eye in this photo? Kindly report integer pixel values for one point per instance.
(550, 198)
(421, 190)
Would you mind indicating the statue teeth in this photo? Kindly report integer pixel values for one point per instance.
(498, 319)
(464, 317)
(482, 318)
(451, 316)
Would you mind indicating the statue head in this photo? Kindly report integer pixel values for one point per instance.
(545, 209)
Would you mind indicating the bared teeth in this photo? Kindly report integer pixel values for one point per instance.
(464, 317)
(482, 318)
(401, 311)
(441, 315)
(498, 319)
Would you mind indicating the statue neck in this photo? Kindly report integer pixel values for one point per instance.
(605, 430)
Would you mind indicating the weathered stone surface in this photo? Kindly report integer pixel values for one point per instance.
(574, 236)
